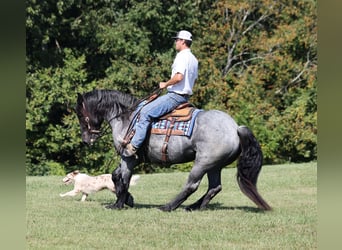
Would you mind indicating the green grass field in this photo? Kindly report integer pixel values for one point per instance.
(231, 220)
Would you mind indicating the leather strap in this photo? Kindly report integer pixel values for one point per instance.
(166, 141)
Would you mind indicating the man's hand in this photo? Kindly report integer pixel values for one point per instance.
(162, 85)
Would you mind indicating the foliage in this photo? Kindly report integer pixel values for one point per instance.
(258, 61)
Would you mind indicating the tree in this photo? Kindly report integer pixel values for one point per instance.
(258, 61)
(261, 61)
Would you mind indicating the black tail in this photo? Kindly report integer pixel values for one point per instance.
(249, 166)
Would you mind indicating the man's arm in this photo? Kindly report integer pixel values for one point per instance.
(174, 80)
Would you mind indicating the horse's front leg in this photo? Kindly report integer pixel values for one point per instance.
(121, 177)
(121, 190)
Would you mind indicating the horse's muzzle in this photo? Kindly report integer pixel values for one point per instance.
(88, 139)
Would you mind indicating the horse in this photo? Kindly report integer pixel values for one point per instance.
(216, 141)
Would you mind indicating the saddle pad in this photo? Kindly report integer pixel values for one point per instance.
(180, 128)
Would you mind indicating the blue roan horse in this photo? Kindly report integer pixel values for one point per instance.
(216, 141)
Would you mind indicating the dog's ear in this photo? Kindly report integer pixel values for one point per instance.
(76, 172)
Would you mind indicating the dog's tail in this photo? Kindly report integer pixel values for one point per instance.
(134, 180)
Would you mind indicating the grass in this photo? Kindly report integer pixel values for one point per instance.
(231, 220)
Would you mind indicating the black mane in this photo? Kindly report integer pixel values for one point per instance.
(97, 102)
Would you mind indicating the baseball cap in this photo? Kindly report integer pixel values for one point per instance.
(183, 34)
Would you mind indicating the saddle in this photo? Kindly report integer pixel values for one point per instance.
(181, 113)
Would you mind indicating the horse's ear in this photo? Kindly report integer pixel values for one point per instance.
(79, 98)
(99, 96)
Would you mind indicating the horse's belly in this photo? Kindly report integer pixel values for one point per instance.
(177, 150)
(214, 138)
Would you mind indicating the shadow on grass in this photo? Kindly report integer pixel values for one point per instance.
(213, 206)
(219, 206)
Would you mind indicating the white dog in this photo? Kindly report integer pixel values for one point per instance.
(86, 184)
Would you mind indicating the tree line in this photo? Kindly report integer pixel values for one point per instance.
(257, 62)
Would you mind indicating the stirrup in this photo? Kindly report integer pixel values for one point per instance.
(129, 150)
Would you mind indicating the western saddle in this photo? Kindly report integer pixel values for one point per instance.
(182, 113)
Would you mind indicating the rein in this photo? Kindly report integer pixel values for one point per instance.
(154, 94)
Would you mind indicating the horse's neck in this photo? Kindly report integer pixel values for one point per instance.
(119, 123)
(119, 128)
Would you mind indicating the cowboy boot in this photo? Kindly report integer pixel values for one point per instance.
(130, 150)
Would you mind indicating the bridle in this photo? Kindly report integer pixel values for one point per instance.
(86, 115)
(90, 129)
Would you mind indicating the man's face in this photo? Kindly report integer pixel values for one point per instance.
(179, 43)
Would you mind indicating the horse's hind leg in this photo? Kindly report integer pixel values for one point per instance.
(190, 187)
(214, 187)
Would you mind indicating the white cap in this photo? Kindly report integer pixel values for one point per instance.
(183, 34)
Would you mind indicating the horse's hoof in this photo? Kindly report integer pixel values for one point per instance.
(192, 207)
(113, 206)
(110, 206)
(188, 209)
(130, 201)
(165, 208)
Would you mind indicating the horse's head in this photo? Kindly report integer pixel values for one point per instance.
(89, 123)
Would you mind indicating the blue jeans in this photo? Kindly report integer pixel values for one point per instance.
(159, 107)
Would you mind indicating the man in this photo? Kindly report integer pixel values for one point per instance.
(179, 87)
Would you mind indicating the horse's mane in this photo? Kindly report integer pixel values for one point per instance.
(99, 101)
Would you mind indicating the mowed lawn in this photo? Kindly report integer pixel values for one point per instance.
(231, 220)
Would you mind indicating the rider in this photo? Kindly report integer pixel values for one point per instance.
(179, 87)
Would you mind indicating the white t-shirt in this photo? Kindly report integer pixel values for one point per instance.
(186, 64)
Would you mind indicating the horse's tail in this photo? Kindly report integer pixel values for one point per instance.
(249, 165)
